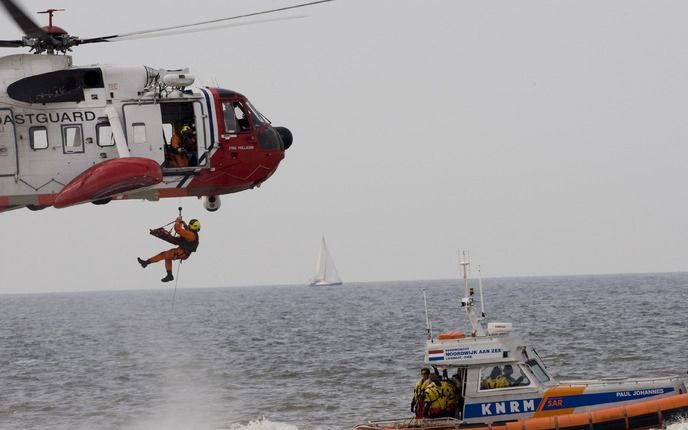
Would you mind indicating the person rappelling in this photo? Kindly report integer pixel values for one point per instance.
(186, 239)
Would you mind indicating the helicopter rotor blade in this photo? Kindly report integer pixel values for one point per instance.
(166, 31)
(11, 43)
(28, 26)
(188, 30)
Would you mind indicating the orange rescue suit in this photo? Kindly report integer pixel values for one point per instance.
(181, 252)
(175, 157)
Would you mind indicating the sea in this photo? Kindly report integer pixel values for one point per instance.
(304, 358)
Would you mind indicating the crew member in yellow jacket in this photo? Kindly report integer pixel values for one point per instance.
(435, 402)
(418, 401)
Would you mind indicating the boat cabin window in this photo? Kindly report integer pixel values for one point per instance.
(104, 135)
(505, 376)
(72, 139)
(537, 370)
(235, 116)
(38, 137)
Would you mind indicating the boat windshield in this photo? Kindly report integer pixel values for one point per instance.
(505, 376)
(537, 370)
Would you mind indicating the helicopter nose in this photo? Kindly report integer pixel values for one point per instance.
(287, 137)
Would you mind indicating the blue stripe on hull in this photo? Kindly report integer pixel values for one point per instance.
(520, 406)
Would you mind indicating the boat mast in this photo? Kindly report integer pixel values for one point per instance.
(480, 287)
(467, 301)
(318, 265)
(323, 259)
(428, 325)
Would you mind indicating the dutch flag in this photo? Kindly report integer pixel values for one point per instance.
(436, 355)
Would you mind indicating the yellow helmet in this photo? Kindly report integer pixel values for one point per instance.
(194, 225)
(185, 129)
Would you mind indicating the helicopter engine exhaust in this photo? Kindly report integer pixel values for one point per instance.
(211, 203)
(287, 137)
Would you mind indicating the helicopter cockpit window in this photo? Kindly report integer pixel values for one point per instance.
(258, 118)
(72, 139)
(104, 135)
(235, 116)
(230, 119)
(505, 376)
(38, 136)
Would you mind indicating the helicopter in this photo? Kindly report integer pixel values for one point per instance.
(76, 134)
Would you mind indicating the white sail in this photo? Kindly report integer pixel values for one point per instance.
(325, 270)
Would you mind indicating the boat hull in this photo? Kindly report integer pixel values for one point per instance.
(657, 413)
(323, 284)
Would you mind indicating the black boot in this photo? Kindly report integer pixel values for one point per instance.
(168, 278)
(142, 262)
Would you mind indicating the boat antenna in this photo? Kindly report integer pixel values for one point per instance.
(480, 287)
(464, 263)
(428, 325)
(467, 302)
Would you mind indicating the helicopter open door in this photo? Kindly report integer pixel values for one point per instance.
(144, 131)
(8, 144)
(175, 116)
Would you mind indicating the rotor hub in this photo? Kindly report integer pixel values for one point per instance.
(54, 30)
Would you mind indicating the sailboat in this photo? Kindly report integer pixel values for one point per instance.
(325, 270)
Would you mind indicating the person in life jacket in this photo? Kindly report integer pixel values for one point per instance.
(510, 380)
(495, 380)
(417, 403)
(189, 146)
(176, 156)
(458, 383)
(189, 243)
(449, 391)
(435, 402)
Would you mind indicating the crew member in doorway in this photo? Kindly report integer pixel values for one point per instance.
(449, 392)
(189, 145)
(435, 402)
(188, 235)
(458, 383)
(418, 403)
(176, 156)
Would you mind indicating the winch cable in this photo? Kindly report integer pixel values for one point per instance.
(174, 294)
(176, 278)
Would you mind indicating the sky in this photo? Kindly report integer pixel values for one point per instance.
(545, 137)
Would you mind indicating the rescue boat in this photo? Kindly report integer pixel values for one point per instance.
(534, 399)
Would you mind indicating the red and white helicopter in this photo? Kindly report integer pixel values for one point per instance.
(71, 135)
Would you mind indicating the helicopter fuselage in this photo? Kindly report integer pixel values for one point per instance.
(71, 135)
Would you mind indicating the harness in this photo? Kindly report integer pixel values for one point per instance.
(189, 246)
(166, 235)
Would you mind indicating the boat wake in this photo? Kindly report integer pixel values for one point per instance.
(265, 424)
(681, 425)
